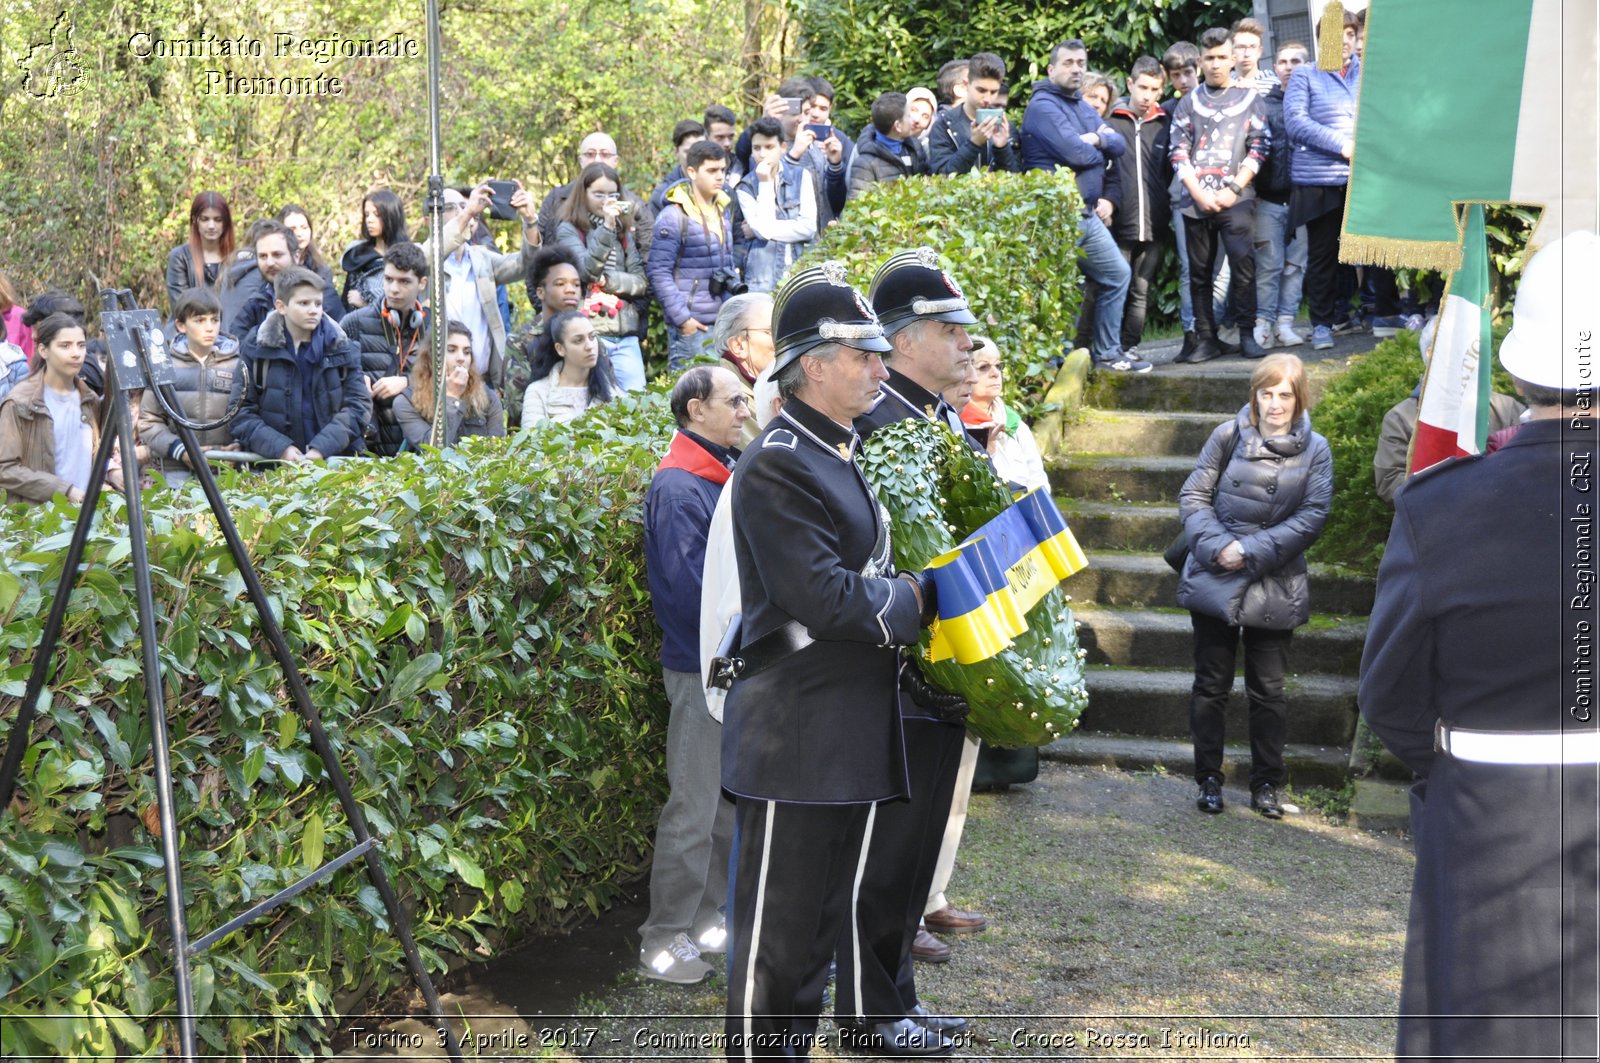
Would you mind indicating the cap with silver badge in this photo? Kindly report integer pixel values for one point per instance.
(912, 286)
(818, 306)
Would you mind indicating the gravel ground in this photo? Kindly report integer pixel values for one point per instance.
(1124, 924)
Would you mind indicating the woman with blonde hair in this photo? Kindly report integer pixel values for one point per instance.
(1257, 499)
(471, 409)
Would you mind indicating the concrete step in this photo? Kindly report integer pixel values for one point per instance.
(1155, 701)
(1220, 385)
(1121, 525)
(1151, 638)
(1308, 765)
(1144, 579)
(1136, 433)
(1101, 478)
(1173, 388)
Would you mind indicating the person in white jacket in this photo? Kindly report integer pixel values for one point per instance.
(719, 586)
(778, 204)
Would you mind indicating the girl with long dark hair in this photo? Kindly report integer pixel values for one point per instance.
(199, 261)
(571, 374)
(383, 224)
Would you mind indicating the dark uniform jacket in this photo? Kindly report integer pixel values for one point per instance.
(904, 398)
(812, 542)
(1488, 574)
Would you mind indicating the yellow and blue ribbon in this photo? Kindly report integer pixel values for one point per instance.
(988, 583)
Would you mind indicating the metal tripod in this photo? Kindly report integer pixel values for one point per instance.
(138, 359)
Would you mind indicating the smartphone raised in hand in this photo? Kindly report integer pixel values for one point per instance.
(986, 113)
(500, 193)
(821, 132)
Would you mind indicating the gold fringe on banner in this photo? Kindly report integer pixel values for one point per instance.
(1330, 37)
(1440, 256)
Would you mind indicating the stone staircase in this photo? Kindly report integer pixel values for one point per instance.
(1116, 478)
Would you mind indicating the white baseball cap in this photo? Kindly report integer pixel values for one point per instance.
(1556, 305)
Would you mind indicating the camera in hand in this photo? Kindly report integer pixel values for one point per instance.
(500, 193)
(726, 282)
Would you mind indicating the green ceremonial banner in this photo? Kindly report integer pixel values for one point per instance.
(1470, 101)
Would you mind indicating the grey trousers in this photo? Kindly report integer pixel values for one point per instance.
(689, 874)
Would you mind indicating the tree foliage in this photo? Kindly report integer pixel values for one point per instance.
(476, 633)
(866, 48)
(100, 173)
(1010, 242)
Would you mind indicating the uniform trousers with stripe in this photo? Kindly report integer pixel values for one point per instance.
(790, 861)
(877, 981)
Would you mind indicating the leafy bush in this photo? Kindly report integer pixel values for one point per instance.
(1350, 415)
(1009, 240)
(476, 633)
(866, 48)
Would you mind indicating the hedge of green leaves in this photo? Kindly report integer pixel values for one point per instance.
(1007, 239)
(477, 636)
(1350, 415)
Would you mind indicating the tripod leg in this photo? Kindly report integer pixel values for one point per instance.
(44, 657)
(155, 696)
(319, 737)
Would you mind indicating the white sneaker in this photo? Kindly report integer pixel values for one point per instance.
(679, 962)
(713, 940)
(1263, 332)
(1287, 336)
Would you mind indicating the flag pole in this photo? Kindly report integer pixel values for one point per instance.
(435, 209)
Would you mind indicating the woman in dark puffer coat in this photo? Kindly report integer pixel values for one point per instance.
(1257, 499)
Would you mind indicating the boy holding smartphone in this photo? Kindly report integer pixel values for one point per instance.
(975, 135)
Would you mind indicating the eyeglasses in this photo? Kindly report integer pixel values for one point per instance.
(739, 402)
(766, 330)
(597, 153)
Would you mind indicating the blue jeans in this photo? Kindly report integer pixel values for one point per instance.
(1280, 270)
(1185, 301)
(683, 350)
(1102, 263)
(627, 360)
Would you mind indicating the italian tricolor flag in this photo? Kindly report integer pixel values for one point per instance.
(1471, 101)
(1453, 416)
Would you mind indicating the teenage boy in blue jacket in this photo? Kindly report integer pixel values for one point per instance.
(305, 396)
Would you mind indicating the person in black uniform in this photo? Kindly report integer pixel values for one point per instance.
(811, 742)
(1478, 674)
(924, 314)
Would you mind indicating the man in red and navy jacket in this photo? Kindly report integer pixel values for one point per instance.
(689, 875)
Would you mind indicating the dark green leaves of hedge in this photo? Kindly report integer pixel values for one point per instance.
(477, 637)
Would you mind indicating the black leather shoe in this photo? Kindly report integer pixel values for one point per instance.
(1264, 799)
(1206, 348)
(1186, 352)
(1210, 799)
(949, 1025)
(1249, 347)
(903, 1037)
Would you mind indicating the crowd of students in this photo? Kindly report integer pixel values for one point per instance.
(1243, 166)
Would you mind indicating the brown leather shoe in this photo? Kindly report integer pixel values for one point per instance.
(925, 948)
(952, 920)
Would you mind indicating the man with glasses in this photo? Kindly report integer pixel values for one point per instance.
(689, 872)
(471, 273)
(742, 338)
(596, 147)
